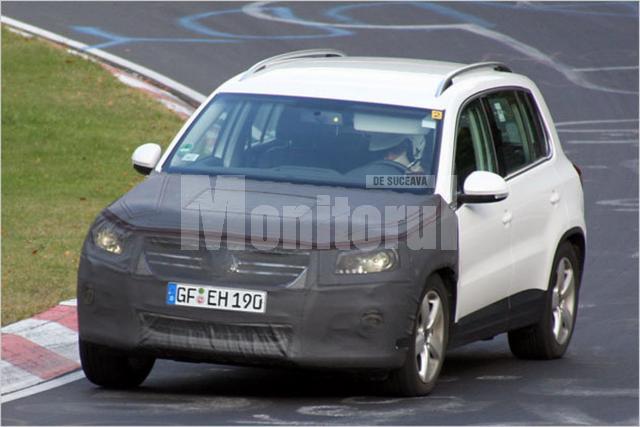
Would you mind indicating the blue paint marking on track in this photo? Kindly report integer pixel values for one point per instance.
(571, 9)
(340, 14)
(115, 39)
(337, 12)
(455, 14)
(193, 23)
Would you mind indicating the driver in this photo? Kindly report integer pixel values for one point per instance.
(396, 148)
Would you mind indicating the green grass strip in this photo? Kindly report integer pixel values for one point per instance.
(68, 131)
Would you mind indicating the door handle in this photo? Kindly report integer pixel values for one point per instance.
(554, 198)
(507, 217)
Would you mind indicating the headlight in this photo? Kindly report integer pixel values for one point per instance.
(366, 262)
(107, 238)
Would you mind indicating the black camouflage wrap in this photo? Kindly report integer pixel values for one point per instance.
(316, 319)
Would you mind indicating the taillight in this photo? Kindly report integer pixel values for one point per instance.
(578, 170)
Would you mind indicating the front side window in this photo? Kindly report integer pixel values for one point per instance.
(307, 140)
(474, 149)
(518, 135)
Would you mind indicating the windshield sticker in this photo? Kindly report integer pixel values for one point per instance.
(427, 123)
(190, 157)
(185, 148)
(436, 115)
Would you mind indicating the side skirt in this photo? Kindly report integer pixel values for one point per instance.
(517, 311)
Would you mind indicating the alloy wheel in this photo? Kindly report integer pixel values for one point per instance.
(429, 336)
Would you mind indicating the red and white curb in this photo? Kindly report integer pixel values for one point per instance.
(40, 348)
(170, 101)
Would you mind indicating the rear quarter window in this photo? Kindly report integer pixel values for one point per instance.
(519, 137)
(533, 124)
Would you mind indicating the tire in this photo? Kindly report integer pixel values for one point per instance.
(111, 368)
(419, 374)
(550, 337)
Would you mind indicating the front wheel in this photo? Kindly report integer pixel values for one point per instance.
(112, 368)
(550, 337)
(425, 358)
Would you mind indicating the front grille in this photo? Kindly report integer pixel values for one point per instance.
(192, 261)
(269, 264)
(166, 259)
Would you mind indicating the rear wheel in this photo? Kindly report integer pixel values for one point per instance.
(425, 358)
(112, 368)
(550, 337)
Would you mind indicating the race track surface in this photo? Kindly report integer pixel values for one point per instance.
(584, 57)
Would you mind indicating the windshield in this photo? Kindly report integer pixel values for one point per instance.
(308, 140)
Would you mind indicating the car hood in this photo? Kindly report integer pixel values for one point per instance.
(256, 209)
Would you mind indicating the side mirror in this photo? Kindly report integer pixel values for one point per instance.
(483, 187)
(146, 157)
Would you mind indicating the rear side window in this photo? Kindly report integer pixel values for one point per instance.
(474, 151)
(533, 124)
(518, 134)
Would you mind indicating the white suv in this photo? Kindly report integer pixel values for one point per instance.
(395, 208)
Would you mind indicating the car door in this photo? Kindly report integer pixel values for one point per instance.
(484, 269)
(523, 156)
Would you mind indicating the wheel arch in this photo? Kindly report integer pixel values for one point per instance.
(576, 238)
(450, 279)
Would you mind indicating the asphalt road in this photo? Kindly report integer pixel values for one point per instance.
(584, 58)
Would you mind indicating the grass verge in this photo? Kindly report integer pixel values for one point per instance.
(68, 131)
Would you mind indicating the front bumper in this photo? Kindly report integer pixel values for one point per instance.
(347, 326)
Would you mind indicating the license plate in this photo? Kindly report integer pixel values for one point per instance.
(216, 298)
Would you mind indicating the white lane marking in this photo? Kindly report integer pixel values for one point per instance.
(386, 415)
(57, 382)
(596, 69)
(54, 337)
(594, 167)
(328, 410)
(620, 205)
(592, 392)
(264, 419)
(70, 302)
(367, 400)
(109, 58)
(561, 414)
(346, 411)
(603, 141)
(606, 130)
(587, 122)
(256, 10)
(498, 377)
(14, 378)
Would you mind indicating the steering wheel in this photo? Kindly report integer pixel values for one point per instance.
(398, 167)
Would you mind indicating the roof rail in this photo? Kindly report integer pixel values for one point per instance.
(448, 79)
(298, 54)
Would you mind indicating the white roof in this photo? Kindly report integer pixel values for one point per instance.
(395, 81)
